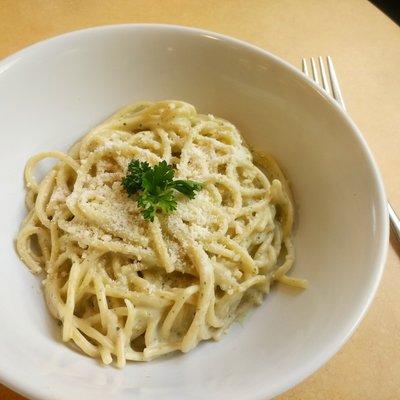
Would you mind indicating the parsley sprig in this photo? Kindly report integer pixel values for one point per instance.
(155, 187)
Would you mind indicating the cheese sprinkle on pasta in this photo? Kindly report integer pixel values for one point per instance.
(126, 288)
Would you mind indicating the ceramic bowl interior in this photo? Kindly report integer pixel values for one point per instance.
(55, 91)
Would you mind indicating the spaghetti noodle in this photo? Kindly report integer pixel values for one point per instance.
(127, 288)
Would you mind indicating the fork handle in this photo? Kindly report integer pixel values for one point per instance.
(394, 221)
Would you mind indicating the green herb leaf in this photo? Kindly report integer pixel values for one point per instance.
(132, 182)
(156, 185)
(158, 178)
(151, 203)
(188, 188)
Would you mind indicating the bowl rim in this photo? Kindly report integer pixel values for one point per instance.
(36, 393)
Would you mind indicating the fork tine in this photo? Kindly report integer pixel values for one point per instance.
(314, 71)
(325, 83)
(304, 66)
(337, 94)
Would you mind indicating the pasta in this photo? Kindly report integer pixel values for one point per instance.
(125, 288)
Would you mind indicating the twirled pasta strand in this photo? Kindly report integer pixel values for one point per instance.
(130, 289)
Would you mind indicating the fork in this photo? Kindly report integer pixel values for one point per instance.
(331, 87)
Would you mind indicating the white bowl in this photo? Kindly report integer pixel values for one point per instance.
(53, 92)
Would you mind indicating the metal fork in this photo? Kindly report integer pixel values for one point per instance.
(320, 77)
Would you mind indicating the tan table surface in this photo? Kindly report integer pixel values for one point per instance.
(365, 46)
